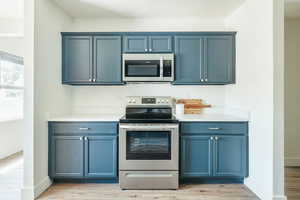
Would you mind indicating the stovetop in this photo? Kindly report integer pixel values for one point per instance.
(172, 120)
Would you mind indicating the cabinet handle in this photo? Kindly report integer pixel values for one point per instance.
(216, 138)
(213, 129)
(146, 49)
(211, 138)
(150, 49)
(206, 79)
(80, 138)
(94, 80)
(85, 138)
(201, 80)
(84, 129)
(90, 80)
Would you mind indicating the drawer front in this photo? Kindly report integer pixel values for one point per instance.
(187, 128)
(58, 128)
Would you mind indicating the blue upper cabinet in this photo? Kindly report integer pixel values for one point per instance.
(189, 59)
(107, 60)
(101, 156)
(196, 156)
(77, 59)
(92, 60)
(135, 44)
(147, 44)
(160, 44)
(219, 59)
(205, 59)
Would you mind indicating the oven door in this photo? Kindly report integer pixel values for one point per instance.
(148, 146)
(143, 70)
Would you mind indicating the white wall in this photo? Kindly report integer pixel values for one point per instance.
(254, 91)
(11, 131)
(111, 99)
(11, 27)
(292, 94)
(11, 137)
(49, 95)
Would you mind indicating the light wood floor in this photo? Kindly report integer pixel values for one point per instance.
(113, 192)
(292, 183)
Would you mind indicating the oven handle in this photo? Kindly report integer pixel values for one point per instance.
(161, 67)
(141, 127)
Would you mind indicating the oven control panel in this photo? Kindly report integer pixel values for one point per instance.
(145, 100)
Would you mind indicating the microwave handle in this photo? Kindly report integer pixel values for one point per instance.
(161, 67)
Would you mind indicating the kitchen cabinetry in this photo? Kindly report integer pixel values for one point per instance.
(216, 152)
(80, 150)
(92, 60)
(77, 59)
(147, 44)
(204, 59)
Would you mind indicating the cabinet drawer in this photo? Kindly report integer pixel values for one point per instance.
(214, 128)
(84, 128)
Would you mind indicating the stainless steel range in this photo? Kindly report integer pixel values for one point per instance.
(148, 144)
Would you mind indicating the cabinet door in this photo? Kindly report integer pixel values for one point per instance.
(77, 59)
(135, 44)
(219, 59)
(67, 156)
(189, 59)
(196, 154)
(230, 156)
(107, 59)
(160, 44)
(101, 156)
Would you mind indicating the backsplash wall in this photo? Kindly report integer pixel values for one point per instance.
(111, 99)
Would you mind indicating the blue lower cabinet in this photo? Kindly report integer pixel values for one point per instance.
(101, 156)
(230, 156)
(67, 157)
(196, 156)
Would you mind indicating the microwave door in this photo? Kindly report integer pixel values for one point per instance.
(139, 70)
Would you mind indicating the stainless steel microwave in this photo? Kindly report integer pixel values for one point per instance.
(148, 67)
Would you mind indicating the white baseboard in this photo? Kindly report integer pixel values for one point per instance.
(279, 198)
(292, 161)
(42, 186)
(27, 193)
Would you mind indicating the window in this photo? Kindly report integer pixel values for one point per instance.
(11, 86)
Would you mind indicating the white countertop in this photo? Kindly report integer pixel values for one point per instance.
(86, 118)
(215, 117)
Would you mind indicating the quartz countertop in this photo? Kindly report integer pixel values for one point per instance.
(215, 117)
(86, 118)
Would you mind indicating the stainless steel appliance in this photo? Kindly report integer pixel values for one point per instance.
(148, 67)
(148, 144)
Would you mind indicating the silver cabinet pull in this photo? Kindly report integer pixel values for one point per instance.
(202, 80)
(94, 80)
(216, 138)
(146, 49)
(206, 79)
(211, 138)
(215, 128)
(80, 138)
(85, 138)
(150, 49)
(90, 80)
(84, 128)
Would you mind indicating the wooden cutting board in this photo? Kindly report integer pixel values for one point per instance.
(192, 106)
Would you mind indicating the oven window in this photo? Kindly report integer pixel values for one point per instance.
(142, 68)
(148, 145)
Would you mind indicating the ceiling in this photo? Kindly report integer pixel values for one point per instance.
(12, 9)
(148, 8)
